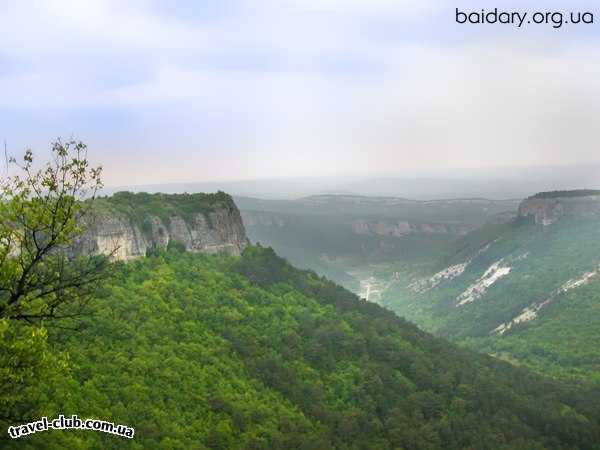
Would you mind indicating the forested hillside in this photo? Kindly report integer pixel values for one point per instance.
(199, 351)
(299, 225)
(525, 292)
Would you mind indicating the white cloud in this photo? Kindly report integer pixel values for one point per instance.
(297, 87)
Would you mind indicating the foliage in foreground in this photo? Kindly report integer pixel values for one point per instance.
(200, 351)
(41, 279)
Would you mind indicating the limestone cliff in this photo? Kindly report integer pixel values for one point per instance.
(402, 228)
(265, 219)
(547, 208)
(129, 225)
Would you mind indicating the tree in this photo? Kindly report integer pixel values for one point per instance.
(42, 214)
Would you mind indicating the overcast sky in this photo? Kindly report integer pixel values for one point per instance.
(168, 91)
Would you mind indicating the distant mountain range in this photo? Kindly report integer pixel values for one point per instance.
(493, 183)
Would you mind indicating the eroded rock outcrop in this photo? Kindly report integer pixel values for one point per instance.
(128, 236)
(531, 312)
(547, 208)
(260, 218)
(402, 228)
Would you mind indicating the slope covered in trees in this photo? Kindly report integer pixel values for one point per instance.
(524, 292)
(199, 351)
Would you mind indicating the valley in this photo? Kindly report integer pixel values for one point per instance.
(298, 225)
(514, 279)
(345, 234)
(243, 350)
(371, 287)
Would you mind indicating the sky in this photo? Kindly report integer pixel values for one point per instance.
(197, 91)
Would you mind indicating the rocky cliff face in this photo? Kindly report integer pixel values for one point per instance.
(217, 231)
(265, 219)
(546, 211)
(403, 228)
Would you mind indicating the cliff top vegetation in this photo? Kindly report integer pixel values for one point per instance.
(572, 193)
(139, 206)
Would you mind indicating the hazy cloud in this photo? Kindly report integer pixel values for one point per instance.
(241, 89)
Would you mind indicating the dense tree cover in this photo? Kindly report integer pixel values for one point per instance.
(199, 351)
(564, 339)
(563, 342)
(571, 193)
(138, 207)
(25, 359)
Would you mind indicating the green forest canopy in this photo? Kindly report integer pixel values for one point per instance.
(199, 351)
(139, 206)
